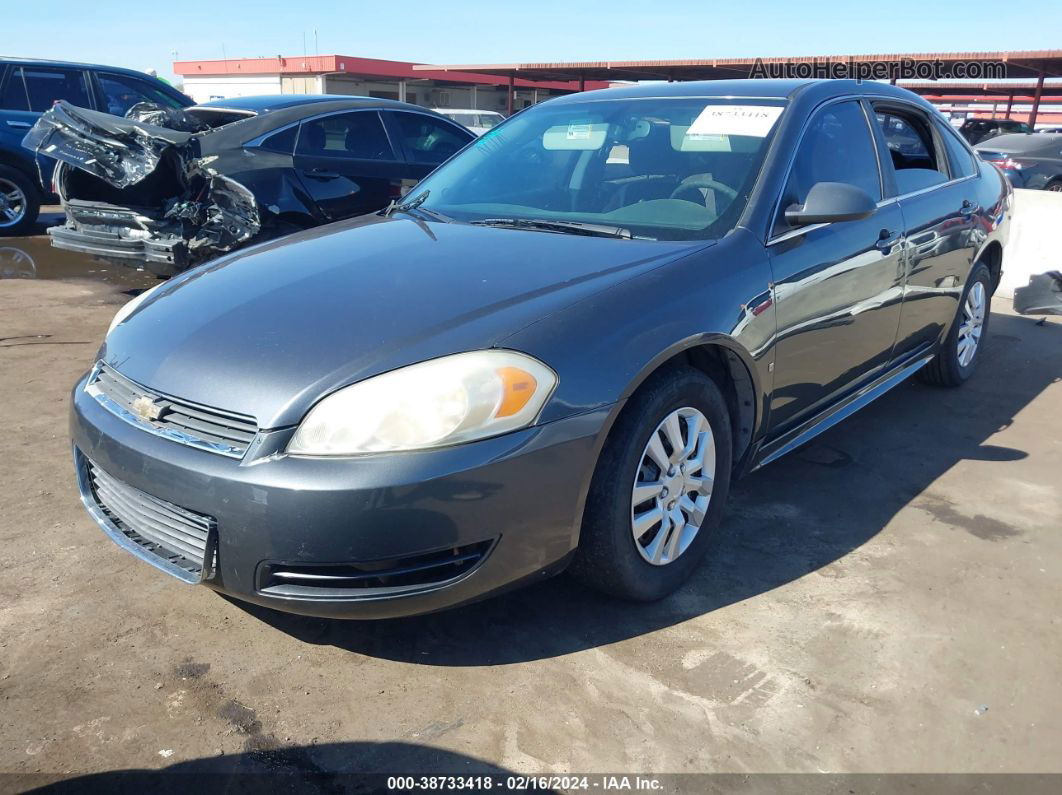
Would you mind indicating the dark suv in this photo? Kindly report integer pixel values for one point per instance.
(977, 130)
(27, 89)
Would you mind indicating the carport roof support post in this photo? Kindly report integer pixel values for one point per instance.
(1036, 100)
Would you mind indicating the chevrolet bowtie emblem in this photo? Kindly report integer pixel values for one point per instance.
(146, 408)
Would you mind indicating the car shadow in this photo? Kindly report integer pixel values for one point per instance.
(793, 517)
(326, 767)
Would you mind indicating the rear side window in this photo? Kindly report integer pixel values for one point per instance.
(427, 139)
(282, 141)
(901, 137)
(357, 135)
(962, 162)
(13, 91)
(121, 92)
(916, 160)
(38, 88)
(836, 147)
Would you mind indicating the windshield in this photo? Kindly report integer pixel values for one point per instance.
(467, 119)
(666, 169)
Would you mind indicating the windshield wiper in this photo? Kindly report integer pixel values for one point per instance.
(568, 227)
(414, 206)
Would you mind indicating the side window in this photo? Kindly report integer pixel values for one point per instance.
(836, 147)
(900, 137)
(962, 162)
(355, 135)
(428, 140)
(282, 141)
(13, 92)
(46, 85)
(913, 152)
(121, 92)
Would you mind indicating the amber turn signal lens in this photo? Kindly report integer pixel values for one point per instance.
(518, 387)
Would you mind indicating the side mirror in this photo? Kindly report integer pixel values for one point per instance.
(828, 202)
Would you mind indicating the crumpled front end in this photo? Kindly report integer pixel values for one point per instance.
(134, 189)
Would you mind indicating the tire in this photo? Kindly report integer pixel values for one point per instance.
(609, 557)
(20, 202)
(950, 367)
(1054, 185)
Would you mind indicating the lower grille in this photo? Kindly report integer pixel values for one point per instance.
(175, 535)
(375, 578)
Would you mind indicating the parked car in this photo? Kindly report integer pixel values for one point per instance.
(1029, 161)
(977, 130)
(545, 355)
(198, 183)
(30, 87)
(478, 121)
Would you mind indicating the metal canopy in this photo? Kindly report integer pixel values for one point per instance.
(997, 90)
(1028, 64)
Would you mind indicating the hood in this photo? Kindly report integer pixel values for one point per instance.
(269, 330)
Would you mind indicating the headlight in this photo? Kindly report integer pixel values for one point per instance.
(432, 404)
(127, 309)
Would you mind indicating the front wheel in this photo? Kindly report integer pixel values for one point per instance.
(961, 350)
(659, 489)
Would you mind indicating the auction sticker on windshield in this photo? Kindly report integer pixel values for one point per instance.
(752, 120)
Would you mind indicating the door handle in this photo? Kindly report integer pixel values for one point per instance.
(887, 239)
(321, 173)
(21, 125)
(968, 208)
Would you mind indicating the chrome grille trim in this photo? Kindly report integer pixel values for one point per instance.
(206, 428)
(171, 538)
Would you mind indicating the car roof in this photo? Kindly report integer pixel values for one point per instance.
(466, 110)
(264, 103)
(749, 89)
(71, 65)
(268, 113)
(1018, 142)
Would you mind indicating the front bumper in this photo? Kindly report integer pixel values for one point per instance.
(170, 252)
(518, 496)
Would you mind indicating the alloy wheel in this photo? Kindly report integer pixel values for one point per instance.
(673, 486)
(973, 321)
(12, 203)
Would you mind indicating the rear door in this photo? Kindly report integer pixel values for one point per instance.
(15, 116)
(26, 92)
(426, 140)
(837, 286)
(933, 182)
(347, 163)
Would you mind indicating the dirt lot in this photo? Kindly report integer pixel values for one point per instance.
(885, 600)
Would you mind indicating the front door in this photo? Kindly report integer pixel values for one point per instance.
(838, 286)
(347, 163)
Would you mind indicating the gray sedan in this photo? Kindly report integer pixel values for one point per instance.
(557, 352)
